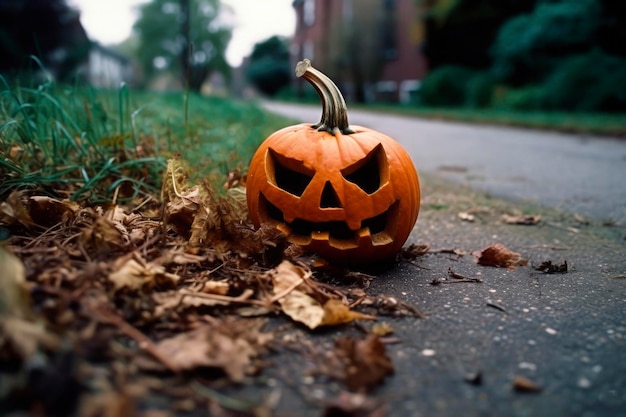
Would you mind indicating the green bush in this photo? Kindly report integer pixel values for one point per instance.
(594, 81)
(530, 46)
(269, 75)
(480, 90)
(525, 98)
(446, 86)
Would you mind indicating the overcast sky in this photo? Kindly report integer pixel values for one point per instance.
(110, 22)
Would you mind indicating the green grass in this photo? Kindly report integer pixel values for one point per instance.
(605, 124)
(86, 144)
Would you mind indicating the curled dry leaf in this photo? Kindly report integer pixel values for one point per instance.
(523, 384)
(297, 301)
(13, 212)
(547, 267)
(102, 236)
(499, 256)
(414, 251)
(49, 211)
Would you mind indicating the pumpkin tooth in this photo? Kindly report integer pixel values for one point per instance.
(299, 239)
(283, 228)
(381, 239)
(320, 235)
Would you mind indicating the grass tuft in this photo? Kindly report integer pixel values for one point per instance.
(83, 143)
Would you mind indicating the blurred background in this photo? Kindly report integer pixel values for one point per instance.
(565, 55)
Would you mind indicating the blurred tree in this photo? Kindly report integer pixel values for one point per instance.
(593, 81)
(359, 42)
(47, 29)
(460, 32)
(269, 69)
(184, 37)
(529, 46)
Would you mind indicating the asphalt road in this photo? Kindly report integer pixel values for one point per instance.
(577, 173)
(565, 332)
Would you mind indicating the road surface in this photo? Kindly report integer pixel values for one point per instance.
(578, 173)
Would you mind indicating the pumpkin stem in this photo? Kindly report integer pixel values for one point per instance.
(334, 110)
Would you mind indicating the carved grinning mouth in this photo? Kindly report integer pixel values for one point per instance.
(379, 228)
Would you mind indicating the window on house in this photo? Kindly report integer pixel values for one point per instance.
(309, 12)
(308, 49)
(347, 11)
(389, 33)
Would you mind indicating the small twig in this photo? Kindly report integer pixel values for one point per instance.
(449, 251)
(456, 278)
(105, 315)
(244, 298)
(285, 292)
(497, 307)
(557, 248)
(462, 278)
(143, 203)
(223, 400)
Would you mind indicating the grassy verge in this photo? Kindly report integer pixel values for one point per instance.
(605, 124)
(84, 143)
(585, 123)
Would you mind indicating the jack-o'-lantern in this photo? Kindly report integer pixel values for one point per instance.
(347, 193)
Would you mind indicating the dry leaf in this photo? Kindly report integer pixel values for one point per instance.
(102, 236)
(291, 294)
(366, 362)
(523, 384)
(547, 267)
(303, 308)
(413, 251)
(230, 347)
(382, 329)
(135, 273)
(49, 211)
(349, 404)
(287, 276)
(13, 211)
(25, 337)
(467, 217)
(14, 297)
(215, 287)
(336, 312)
(499, 256)
(521, 219)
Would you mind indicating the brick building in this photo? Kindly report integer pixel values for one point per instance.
(385, 36)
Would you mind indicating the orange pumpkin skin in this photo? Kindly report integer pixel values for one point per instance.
(345, 223)
(347, 193)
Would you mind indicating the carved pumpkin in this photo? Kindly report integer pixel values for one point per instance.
(347, 193)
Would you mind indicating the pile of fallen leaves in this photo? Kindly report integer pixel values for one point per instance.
(103, 306)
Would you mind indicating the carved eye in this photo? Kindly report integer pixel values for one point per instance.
(370, 172)
(287, 174)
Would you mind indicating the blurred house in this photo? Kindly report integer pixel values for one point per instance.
(107, 68)
(46, 29)
(374, 45)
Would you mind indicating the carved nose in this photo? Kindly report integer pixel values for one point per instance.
(329, 197)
